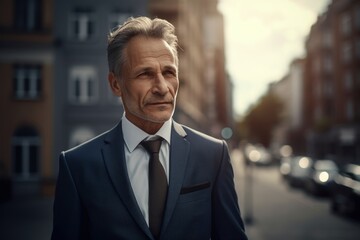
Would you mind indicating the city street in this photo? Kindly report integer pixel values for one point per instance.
(276, 210)
(278, 80)
(281, 212)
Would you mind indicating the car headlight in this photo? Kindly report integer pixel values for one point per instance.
(304, 162)
(323, 177)
(285, 168)
(254, 155)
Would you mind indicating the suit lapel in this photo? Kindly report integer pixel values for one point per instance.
(179, 153)
(114, 158)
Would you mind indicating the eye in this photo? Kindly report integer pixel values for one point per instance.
(169, 73)
(145, 74)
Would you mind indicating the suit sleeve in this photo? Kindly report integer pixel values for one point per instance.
(226, 220)
(69, 219)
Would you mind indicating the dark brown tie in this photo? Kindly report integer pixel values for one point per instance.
(157, 186)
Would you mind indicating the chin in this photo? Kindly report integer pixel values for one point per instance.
(158, 120)
(161, 118)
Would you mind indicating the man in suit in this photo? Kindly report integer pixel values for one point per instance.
(107, 188)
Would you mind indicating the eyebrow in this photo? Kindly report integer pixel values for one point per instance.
(148, 68)
(144, 69)
(170, 67)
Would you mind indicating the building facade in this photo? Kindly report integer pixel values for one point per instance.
(289, 90)
(205, 94)
(332, 84)
(84, 103)
(55, 93)
(26, 96)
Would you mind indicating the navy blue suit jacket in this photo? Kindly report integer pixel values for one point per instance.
(94, 198)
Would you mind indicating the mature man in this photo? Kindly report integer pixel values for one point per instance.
(148, 177)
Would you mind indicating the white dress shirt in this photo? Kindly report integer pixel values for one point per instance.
(137, 159)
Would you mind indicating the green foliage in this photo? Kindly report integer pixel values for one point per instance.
(261, 119)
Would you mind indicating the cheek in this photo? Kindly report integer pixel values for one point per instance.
(128, 95)
(136, 93)
(174, 86)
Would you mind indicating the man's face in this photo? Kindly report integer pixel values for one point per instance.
(149, 82)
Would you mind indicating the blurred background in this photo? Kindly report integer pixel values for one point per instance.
(278, 80)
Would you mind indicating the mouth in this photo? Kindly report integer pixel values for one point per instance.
(160, 103)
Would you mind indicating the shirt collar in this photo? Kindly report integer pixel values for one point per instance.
(134, 135)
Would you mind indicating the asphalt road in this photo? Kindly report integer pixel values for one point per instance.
(280, 212)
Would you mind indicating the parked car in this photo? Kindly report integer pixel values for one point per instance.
(345, 197)
(258, 155)
(300, 167)
(285, 167)
(321, 177)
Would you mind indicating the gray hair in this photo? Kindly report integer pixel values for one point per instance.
(140, 26)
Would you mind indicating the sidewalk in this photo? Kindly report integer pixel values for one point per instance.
(28, 218)
(237, 161)
(31, 219)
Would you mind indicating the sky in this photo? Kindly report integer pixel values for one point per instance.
(262, 37)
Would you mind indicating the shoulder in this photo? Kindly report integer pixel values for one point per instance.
(91, 146)
(199, 137)
(206, 149)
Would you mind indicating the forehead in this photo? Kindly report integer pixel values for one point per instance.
(142, 49)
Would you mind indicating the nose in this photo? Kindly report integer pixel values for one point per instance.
(160, 85)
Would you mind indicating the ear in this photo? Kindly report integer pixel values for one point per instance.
(114, 84)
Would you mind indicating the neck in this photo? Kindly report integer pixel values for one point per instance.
(150, 127)
(147, 126)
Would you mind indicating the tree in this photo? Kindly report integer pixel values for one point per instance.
(261, 119)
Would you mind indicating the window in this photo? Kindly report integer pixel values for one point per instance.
(27, 81)
(318, 113)
(348, 81)
(328, 89)
(316, 65)
(346, 52)
(26, 153)
(357, 17)
(80, 135)
(346, 24)
(327, 39)
(357, 49)
(117, 18)
(27, 15)
(317, 89)
(82, 85)
(328, 64)
(82, 24)
(349, 110)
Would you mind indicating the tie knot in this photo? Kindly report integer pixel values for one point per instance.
(152, 146)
